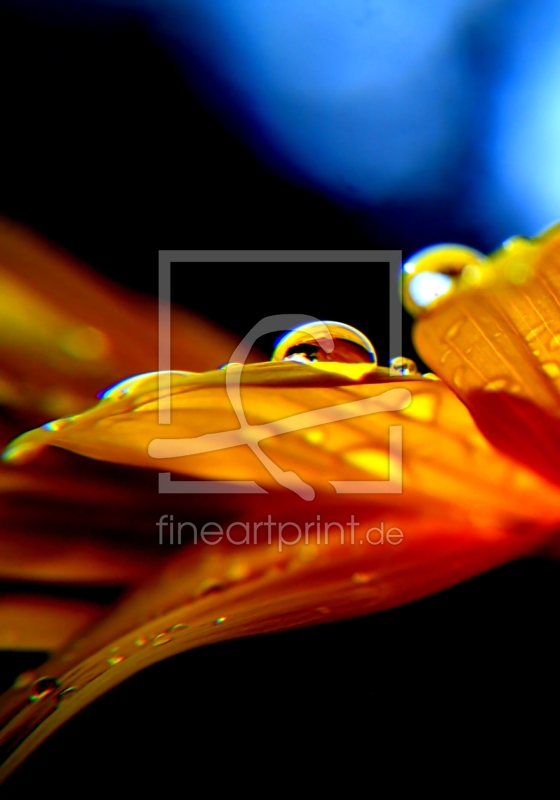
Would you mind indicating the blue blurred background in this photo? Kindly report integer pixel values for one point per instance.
(399, 124)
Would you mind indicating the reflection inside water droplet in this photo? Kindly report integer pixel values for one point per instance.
(324, 341)
(114, 660)
(219, 620)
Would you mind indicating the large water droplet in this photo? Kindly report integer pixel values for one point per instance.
(43, 687)
(310, 343)
(434, 272)
(404, 366)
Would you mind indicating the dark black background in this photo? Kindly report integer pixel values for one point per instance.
(108, 152)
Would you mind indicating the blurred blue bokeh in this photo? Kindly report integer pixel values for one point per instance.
(449, 104)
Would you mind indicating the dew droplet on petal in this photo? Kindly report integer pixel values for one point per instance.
(66, 692)
(311, 342)
(459, 377)
(140, 641)
(403, 366)
(434, 273)
(496, 385)
(25, 679)
(114, 660)
(43, 687)
(209, 586)
(453, 330)
(180, 626)
(552, 369)
(534, 333)
(219, 620)
(363, 577)
(161, 638)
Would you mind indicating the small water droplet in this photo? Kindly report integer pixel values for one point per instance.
(323, 610)
(114, 660)
(161, 638)
(403, 366)
(65, 692)
(43, 687)
(459, 377)
(324, 341)
(552, 369)
(532, 335)
(140, 641)
(219, 620)
(554, 342)
(180, 626)
(445, 356)
(209, 586)
(496, 334)
(452, 332)
(114, 649)
(536, 352)
(363, 577)
(25, 679)
(434, 273)
(496, 385)
(85, 344)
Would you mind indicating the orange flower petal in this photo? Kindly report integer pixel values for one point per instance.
(217, 593)
(39, 623)
(445, 460)
(496, 342)
(66, 333)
